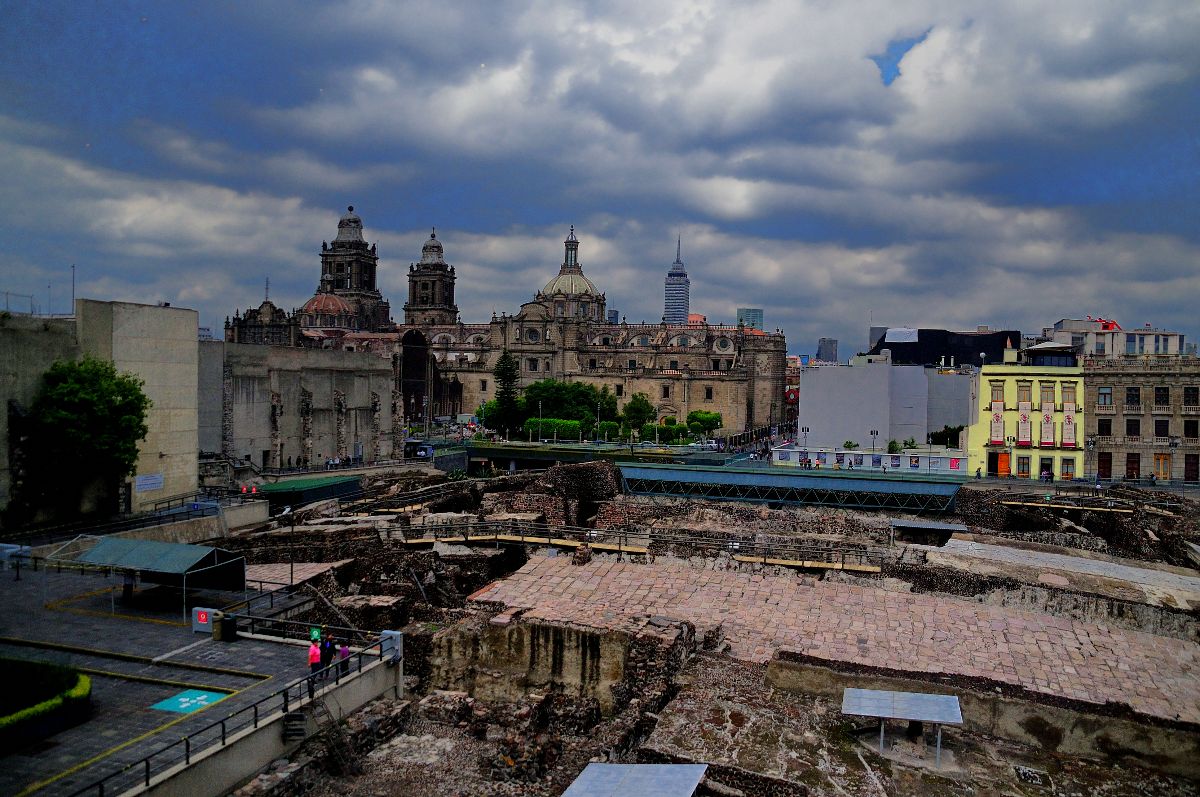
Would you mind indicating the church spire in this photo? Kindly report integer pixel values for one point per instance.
(678, 244)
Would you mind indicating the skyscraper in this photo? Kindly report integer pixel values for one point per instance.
(750, 316)
(677, 292)
(827, 350)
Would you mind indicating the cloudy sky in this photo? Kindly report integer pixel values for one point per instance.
(937, 164)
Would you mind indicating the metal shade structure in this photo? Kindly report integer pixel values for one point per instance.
(637, 780)
(919, 706)
(913, 493)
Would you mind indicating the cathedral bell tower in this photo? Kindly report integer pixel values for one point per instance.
(348, 271)
(431, 287)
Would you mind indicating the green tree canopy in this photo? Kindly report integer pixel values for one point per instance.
(83, 428)
(708, 421)
(571, 401)
(638, 411)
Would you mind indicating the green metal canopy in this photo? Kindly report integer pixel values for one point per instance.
(169, 562)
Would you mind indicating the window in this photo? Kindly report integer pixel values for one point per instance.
(997, 391)
(1023, 467)
(666, 391)
(1191, 429)
(1104, 427)
(1191, 396)
(1104, 465)
(1024, 392)
(1047, 393)
(1068, 393)
(1162, 396)
(1100, 347)
(1131, 344)
(728, 365)
(1133, 427)
(1076, 340)
(532, 335)
(531, 364)
(643, 341)
(632, 363)
(591, 362)
(708, 396)
(618, 390)
(1104, 397)
(1162, 427)
(674, 365)
(716, 365)
(1133, 466)
(1068, 468)
(1133, 396)
(605, 341)
(482, 385)
(559, 308)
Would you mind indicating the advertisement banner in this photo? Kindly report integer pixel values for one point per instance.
(1068, 432)
(1047, 437)
(1024, 424)
(997, 437)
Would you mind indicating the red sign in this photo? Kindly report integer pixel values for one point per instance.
(202, 618)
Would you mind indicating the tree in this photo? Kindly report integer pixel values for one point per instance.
(638, 411)
(849, 445)
(576, 401)
(947, 437)
(508, 409)
(893, 447)
(708, 421)
(910, 442)
(82, 433)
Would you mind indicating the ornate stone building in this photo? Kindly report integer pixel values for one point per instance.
(443, 367)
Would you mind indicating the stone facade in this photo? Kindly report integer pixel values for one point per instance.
(1143, 417)
(284, 407)
(443, 367)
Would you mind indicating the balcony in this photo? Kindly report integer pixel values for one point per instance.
(1191, 441)
(1162, 441)
(1132, 409)
(1189, 409)
(1161, 409)
(1104, 409)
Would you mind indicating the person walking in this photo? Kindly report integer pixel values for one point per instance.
(314, 658)
(344, 659)
(327, 651)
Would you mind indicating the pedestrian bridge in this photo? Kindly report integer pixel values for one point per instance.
(849, 489)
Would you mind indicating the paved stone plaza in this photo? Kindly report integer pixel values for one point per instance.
(760, 614)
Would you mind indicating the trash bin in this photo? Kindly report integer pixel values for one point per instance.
(224, 627)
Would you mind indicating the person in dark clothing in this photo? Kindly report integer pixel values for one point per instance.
(327, 651)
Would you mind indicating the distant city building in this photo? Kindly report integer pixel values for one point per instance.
(697, 319)
(827, 350)
(677, 291)
(204, 333)
(614, 316)
(943, 348)
(1102, 337)
(750, 316)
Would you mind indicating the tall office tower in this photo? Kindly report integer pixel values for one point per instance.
(750, 316)
(827, 350)
(677, 291)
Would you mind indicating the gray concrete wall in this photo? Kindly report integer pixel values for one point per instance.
(1055, 728)
(28, 347)
(219, 770)
(839, 403)
(909, 396)
(949, 399)
(212, 359)
(158, 345)
(193, 531)
(245, 514)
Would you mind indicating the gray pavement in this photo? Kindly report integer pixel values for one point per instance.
(68, 618)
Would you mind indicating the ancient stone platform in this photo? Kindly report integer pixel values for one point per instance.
(761, 613)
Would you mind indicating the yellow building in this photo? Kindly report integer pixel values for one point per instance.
(1030, 416)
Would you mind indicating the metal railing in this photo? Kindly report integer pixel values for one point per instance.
(291, 697)
(624, 540)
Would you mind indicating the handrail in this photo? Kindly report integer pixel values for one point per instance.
(184, 748)
(774, 548)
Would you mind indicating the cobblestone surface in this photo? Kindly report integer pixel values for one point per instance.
(760, 613)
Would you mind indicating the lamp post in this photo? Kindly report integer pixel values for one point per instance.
(1012, 468)
(539, 421)
(804, 431)
(1089, 445)
(1172, 444)
(597, 420)
(874, 434)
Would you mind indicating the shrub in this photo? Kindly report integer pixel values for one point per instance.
(50, 714)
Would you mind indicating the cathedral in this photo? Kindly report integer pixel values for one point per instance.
(443, 366)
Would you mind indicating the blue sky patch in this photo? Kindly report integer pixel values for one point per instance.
(889, 61)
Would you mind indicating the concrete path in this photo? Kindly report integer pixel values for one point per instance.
(67, 618)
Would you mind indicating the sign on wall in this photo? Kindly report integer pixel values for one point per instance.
(147, 482)
(1068, 433)
(1024, 423)
(997, 435)
(1047, 437)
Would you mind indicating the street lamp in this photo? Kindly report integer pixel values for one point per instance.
(804, 431)
(874, 434)
(597, 420)
(1089, 445)
(1173, 444)
(539, 421)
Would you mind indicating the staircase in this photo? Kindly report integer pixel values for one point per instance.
(295, 726)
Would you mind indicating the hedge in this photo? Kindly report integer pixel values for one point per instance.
(47, 717)
(549, 428)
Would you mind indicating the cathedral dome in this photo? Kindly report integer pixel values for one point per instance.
(431, 252)
(349, 226)
(572, 284)
(326, 304)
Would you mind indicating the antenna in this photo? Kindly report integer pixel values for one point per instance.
(267, 290)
